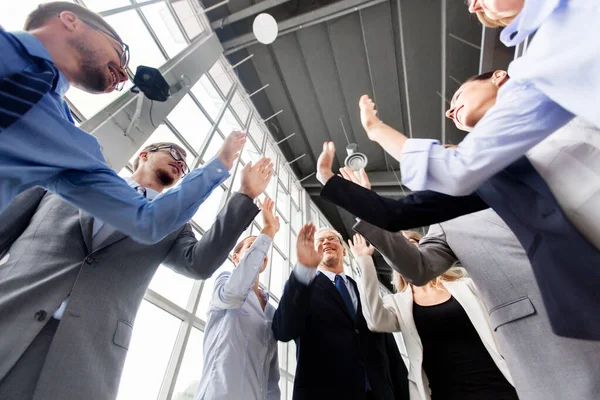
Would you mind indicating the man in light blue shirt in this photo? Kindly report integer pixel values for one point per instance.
(65, 44)
(556, 80)
(240, 352)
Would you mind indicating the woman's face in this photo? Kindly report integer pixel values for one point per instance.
(496, 9)
(473, 99)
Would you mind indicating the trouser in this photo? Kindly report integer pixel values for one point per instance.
(21, 380)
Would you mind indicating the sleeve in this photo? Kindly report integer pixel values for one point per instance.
(418, 265)
(522, 117)
(379, 314)
(232, 288)
(417, 209)
(199, 259)
(16, 217)
(273, 391)
(105, 195)
(290, 317)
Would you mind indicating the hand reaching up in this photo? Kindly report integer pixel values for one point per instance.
(362, 180)
(368, 114)
(305, 247)
(270, 220)
(255, 178)
(325, 163)
(230, 150)
(359, 246)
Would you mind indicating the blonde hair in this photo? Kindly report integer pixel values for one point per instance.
(453, 274)
(493, 23)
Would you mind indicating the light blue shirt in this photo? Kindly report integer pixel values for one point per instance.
(557, 79)
(44, 148)
(240, 352)
(306, 275)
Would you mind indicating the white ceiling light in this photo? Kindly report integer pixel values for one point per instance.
(265, 28)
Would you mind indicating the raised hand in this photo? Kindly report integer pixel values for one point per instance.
(360, 247)
(325, 163)
(305, 247)
(255, 178)
(368, 114)
(362, 180)
(230, 150)
(270, 221)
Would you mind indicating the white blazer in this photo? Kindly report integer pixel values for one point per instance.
(394, 313)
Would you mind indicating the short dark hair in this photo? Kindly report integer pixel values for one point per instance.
(239, 246)
(38, 17)
(136, 162)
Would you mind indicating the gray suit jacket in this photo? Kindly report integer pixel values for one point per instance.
(544, 366)
(48, 255)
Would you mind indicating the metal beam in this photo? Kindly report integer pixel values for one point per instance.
(404, 70)
(320, 15)
(488, 49)
(246, 12)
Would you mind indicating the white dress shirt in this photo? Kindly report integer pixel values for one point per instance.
(306, 275)
(554, 81)
(240, 352)
(101, 232)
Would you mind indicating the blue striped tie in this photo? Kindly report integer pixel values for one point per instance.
(21, 91)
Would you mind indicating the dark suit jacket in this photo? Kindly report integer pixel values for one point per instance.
(565, 264)
(333, 351)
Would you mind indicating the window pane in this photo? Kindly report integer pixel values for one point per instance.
(292, 357)
(238, 103)
(271, 153)
(213, 147)
(187, 118)
(283, 200)
(282, 386)
(188, 19)
(295, 192)
(250, 152)
(151, 346)
(256, 132)
(279, 272)
(207, 290)
(272, 187)
(164, 26)
(293, 256)
(208, 96)
(132, 30)
(284, 175)
(290, 392)
(228, 123)
(223, 81)
(163, 134)
(207, 213)
(282, 237)
(103, 5)
(90, 104)
(191, 367)
(296, 218)
(282, 354)
(125, 173)
(171, 285)
(237, 180)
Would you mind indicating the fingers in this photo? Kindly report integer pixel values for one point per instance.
(348, 174)
(363, 176)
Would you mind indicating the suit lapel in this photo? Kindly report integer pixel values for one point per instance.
(111, 239)
(329, 287)
(87, 225)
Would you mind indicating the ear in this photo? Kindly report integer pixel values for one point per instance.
(499, 77)
(235, 258)
(143, 156)
(69, 20)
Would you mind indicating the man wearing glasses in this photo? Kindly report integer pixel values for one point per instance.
(66, 44)
(71, 284)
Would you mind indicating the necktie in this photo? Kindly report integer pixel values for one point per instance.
(340, 285)
(21, 91)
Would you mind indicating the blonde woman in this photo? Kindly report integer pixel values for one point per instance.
(452, 351)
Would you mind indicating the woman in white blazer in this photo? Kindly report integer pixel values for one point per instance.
(445, 329)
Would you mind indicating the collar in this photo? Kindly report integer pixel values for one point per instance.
(150, 193)
(332, 275)
(531, 17)
(36, 48)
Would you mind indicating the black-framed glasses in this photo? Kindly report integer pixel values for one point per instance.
(124, 57)
(177, 156)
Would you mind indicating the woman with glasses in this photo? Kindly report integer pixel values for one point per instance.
(452, 350)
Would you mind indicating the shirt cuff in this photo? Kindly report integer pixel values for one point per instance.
(304, 274)
(415, 162)
(215, 168)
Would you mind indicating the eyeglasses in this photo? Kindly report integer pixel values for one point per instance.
(124, 56)
(328, 238)
(176, 156)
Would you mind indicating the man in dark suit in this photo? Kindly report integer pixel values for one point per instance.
(337, 356)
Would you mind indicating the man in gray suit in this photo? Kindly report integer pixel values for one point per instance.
(70, 286)
(544, 366)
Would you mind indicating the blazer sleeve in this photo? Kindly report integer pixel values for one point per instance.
(417, 209)
(289, 320)
(16, 217)
(418, 265)
(378, 313)
(199, 259)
